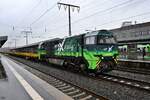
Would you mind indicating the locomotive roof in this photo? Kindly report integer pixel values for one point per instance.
(34, 44)
(99, 32)
(74, 36)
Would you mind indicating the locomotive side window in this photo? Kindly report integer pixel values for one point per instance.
(110, 40)
(90, 40)
(106, 40)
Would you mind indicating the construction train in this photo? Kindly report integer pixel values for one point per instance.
(94, 51)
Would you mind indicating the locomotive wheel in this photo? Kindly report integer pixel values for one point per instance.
(83, 68)
(65, 64)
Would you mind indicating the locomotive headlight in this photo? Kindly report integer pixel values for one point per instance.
(101, 57)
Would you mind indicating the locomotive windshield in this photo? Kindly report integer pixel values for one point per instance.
(106, 40)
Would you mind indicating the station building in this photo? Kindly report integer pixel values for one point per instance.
(133, 38)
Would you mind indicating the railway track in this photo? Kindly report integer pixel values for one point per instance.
(125, 81)
(126, 85)
(133, 70)
(74, 91)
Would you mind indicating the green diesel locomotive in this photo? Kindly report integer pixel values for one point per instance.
(94, 51)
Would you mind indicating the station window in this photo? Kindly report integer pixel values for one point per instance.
(136, 34)
(110, 40)
(149, 32)
(141, 33)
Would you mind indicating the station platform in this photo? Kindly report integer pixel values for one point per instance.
(20, 84)
(138, 63)
(139, 59)
(135, 60)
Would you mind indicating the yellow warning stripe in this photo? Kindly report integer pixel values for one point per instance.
(26, 54)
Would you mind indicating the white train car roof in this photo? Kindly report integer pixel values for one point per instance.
(36, 44)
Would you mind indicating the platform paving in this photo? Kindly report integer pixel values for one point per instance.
(11, 88)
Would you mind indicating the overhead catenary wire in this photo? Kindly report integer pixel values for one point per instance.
(63, 25)
(44, 13)
(94, 14)
(101, 11)
(138, 15)
(80, 2)
(31, 11)
(117, 20)
(106, 23)
(97, 25)
(88, 5)
(84, 19)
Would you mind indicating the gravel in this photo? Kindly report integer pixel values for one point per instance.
(110, 90)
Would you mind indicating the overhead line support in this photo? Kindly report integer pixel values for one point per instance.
(69, 12)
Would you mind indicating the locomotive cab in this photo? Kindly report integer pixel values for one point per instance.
(100, 50)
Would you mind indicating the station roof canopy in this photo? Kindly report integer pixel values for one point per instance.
(3, 39)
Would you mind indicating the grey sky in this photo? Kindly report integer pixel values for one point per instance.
(99, 14)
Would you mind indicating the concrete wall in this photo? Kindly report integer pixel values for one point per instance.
(133, 33)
